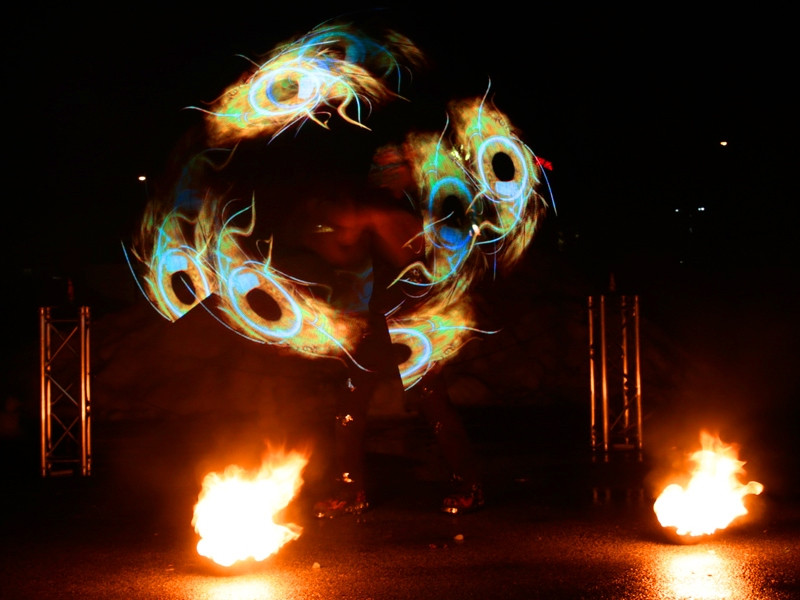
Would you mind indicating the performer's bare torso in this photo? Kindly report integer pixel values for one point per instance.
(350, 238)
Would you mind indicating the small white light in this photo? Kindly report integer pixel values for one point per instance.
(723, 143)
(701, 208)
(142, 178)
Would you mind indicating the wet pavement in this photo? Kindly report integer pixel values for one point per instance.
(557, 525)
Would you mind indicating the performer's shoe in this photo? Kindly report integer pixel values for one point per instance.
(464, 501)
(342, 506)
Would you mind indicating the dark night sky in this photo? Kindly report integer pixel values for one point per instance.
(629, 105)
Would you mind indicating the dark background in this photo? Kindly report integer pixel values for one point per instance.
(629, 105)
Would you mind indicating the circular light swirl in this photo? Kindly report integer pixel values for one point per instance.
(168, 259)
(180, 260)
(326, 71)
(505, 172)
(247, 277)
(418, 363)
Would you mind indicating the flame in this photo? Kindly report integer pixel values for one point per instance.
(235, 512)
(714, 495)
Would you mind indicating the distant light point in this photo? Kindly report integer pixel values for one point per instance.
(142, 178)
(723, 143)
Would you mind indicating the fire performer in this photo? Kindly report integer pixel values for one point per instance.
(392, 223)
(366, 233)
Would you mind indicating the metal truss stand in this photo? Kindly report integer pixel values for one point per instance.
(616, 411)
(65, 390)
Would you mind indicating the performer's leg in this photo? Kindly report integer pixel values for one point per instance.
(436, 407)
(374, 369)
(375, 366)
(349, 495)
(351, 425)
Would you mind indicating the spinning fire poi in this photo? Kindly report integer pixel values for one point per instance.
(403, 240)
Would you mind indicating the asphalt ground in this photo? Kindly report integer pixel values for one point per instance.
(558, 523)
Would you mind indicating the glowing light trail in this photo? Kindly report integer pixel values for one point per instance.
(474, 185)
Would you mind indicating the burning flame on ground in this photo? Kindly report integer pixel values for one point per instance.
(235, 512)
(714, 495)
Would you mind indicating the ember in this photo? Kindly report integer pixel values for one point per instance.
(713, 497)
(235, 511)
